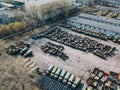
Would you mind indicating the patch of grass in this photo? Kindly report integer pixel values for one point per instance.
(14, 77)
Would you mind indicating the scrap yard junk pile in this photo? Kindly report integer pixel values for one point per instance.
(21, 48)
(81, 43)
(58, 79)
(102, 80)
(92, 33)
(55, 50)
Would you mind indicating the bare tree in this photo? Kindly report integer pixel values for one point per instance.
(48, 12)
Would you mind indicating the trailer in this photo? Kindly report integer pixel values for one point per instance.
(57, 73)
(66, 78)
(70, 81)
(29, 53)
(48, 71)
(24, 50)
(62, 74)
(53, 71)
(76, 83)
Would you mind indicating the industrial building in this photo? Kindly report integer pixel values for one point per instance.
(100, 19)
(113, 9)
(85, 2)
(106, 28)
(114, 3)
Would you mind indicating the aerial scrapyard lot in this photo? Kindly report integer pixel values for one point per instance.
(79, 62)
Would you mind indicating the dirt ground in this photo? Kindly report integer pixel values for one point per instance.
(12, 74)
(79, 62)
(14, 77)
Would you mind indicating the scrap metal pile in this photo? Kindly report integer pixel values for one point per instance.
(101, 80)
(21, 48)
(58, 79)
(81, 43)
(55, 50)
(91, 33)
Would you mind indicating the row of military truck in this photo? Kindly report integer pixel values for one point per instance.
(63, 76)
(108, 14)
(81, 43)
(91, 33)
(103, 80)
(21, 48)
(55, 50)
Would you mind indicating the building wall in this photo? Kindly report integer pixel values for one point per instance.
(4, 19)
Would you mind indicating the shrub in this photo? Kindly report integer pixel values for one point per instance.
(11, 28)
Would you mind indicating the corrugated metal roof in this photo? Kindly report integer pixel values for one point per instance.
(105, 19)
(95, 24)
(109, 8)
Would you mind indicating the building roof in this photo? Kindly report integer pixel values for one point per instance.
(95, 24)
(7, 4)
(100, 18)
(109, 8)
(7, 12)
(22, 1)
(38, 2)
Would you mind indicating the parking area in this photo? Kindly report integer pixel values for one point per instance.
(79, 63)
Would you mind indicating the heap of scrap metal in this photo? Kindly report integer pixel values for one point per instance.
(91, 33)
(19, 48)
(81, 43)
(55, 50)
(102, 80)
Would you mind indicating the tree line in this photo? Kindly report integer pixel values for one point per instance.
(11, 28)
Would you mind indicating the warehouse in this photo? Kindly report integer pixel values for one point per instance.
(109, 8)
(100, 19)
(93, 25)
